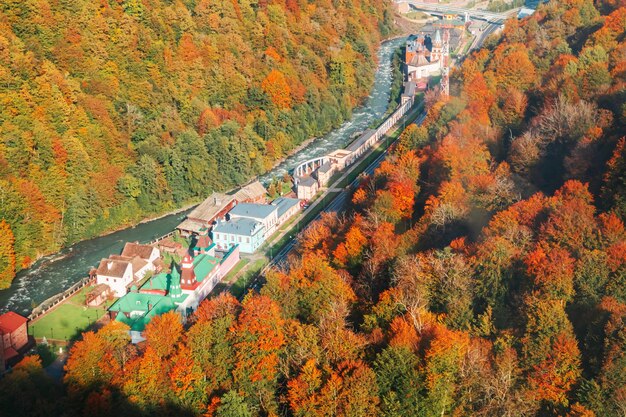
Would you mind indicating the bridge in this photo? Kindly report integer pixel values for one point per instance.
(307, 167)
(440, 10)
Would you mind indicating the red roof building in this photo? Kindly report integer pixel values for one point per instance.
(13, 336)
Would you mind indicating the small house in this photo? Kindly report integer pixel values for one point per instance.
(115, 273)
(307, 188)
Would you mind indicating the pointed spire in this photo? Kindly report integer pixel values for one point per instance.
(175, 292)
(437, 38)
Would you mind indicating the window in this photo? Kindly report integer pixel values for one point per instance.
(247, 240)
(239, 239)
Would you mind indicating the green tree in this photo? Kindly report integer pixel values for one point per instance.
(233, 405)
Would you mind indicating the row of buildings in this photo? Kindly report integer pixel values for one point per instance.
(221, 227)
(200, 220)
(423, 59)
(180, 289)
(243, 218)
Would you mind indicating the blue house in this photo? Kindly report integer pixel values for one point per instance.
(249, 234)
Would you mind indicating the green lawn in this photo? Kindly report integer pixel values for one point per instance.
(66, 321)
(238, 288)
(233, 272)
(69, 319)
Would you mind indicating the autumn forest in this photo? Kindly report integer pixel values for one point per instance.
(481, 270)
(112, 111)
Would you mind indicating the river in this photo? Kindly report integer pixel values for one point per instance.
(55, 273)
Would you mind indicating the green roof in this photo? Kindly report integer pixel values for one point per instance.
(135, 301)
(203, 264)
(138, 302)
(175, 291)
(157, 282)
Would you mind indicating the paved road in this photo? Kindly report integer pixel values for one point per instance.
(474, 14)
(489, 30)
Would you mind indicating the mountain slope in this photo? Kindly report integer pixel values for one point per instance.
(114, 110)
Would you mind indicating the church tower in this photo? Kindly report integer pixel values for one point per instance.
(437, 52)
(175, 291)
(188, 277)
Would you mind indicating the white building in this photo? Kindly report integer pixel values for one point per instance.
(287, 207)
(120, 271)
(117, 274)
(266, 214)
(247, 233)
(423, 56)
(307, 188)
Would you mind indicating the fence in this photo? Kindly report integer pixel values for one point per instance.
(51, 302)
(165, 236)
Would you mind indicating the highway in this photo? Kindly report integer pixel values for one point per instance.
(480, 39)
(436, 9)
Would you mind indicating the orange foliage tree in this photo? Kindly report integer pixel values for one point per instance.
(554, 377)
(276, 86)
(7, 254)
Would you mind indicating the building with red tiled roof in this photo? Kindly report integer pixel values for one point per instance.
(146, 252)
(13, 336)
(121, 271)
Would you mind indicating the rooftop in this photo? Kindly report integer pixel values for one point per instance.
(339, 153)
(191, 225)
(251, 210)
(144, 306)
(211, 207)
(203, 264)
(137, 262)
(112, 267)
(284, 204)
(360, 140)
(239, 226)
(252, 191)
(203, 242)
(158, 282)
(10, 322)
(135, 249)
(409, 89)
(306, 182)
(325, 167)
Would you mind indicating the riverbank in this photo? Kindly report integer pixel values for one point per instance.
(44, 278)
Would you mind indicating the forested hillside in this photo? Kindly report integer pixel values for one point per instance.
(113, 110)
(482, 271)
